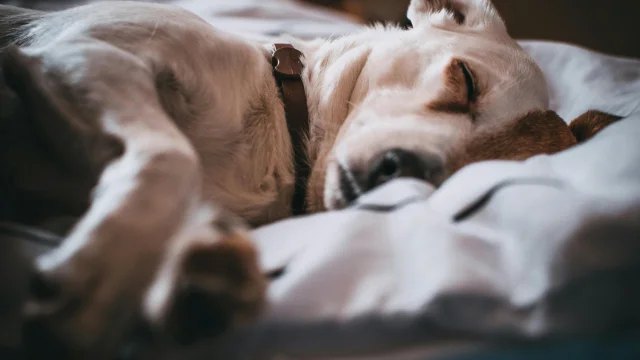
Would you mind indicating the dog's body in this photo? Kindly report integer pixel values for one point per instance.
(149, 113)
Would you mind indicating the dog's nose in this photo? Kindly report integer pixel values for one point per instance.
(392, 164)
(399, 163)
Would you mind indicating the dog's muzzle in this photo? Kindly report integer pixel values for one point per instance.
(390, 165)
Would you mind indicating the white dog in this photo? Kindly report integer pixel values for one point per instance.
(132, 117)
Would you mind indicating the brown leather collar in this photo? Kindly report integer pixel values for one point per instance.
(287, 67)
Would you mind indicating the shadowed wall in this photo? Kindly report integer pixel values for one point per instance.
(611, 26)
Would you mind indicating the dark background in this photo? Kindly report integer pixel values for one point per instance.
(611, 26)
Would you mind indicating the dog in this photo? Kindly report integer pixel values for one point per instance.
(165, 138)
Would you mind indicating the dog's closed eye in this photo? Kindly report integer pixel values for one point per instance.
(460, 90)
(469, 82)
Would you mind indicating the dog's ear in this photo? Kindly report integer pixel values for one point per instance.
(472, 13)
(585, 126)
(538, 132)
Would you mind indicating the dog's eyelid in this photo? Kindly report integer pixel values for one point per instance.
(470, 82)
(461, 91)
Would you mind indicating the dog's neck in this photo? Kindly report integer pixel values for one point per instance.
(287, 70)
(331, 70)
(329, 78)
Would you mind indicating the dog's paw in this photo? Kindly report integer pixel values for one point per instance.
(82, 307)
(209, 284)
(205, 281)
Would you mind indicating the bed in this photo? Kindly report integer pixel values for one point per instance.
(507, 260)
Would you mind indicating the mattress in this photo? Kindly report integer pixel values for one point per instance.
(504, 255)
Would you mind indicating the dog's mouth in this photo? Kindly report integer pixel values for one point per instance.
(349, 189)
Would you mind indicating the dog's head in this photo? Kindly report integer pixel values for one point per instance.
(452, 90)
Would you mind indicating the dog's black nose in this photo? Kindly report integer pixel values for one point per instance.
(399, 163)
(392, 164)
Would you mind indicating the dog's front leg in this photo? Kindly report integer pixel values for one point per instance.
(101, 270)
(90, 290)
(103, 267)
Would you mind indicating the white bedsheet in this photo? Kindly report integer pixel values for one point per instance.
(271, 17)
